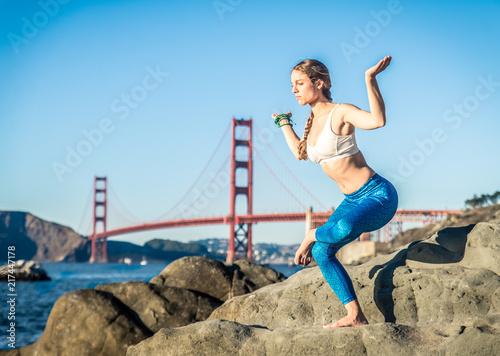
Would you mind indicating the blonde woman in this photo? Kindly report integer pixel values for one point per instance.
(329, 139)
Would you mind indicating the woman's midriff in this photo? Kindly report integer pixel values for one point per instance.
(350, 173)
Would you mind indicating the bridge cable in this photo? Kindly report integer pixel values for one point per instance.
(89, 227)
(288, 170)
(204, 189)
(137, 220)
(117, 212)
(279, 181)
(87, 204)
(198, 178)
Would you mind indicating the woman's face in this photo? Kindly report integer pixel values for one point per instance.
(305, 91)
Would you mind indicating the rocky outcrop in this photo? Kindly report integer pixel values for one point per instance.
(221, 337)
(23, 270)
(87, 322)
(161, 306)
(473, 216)
(212, 277)
(107, 320)
(437, 296)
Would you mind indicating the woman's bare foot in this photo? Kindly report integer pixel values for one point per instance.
(354, 317)
(348, 321)
(303, 256)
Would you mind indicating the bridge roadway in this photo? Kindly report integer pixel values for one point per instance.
(318, 218)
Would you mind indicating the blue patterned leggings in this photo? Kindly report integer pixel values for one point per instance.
(368, 209)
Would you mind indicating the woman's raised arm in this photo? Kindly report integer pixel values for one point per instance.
(376, 117)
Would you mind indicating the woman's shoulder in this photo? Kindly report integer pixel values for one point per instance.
(343, 108)
(338, 122)
(346, 106)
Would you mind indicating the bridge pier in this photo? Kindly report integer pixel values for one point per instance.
(314, 221)
(240, 235)
(98, 248)
(310, 223)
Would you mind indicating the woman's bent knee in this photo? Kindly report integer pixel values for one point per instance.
(323, 252)
(320, 252)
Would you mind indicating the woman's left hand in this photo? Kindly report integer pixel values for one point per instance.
(273, 116)
(303, 256)
(378, 68)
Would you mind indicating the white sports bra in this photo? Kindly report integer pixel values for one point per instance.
(331, 146)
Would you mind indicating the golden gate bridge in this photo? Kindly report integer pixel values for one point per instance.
(240, 225)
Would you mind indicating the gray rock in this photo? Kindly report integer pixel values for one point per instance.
(161, 306)
(105, 321)
(208, 338)
(88, 322)
(489, 213)
(440, 296)
(220, 337)
(249, 276)
(390, 288)
(24, 271)
(200, 274)
(212, 277)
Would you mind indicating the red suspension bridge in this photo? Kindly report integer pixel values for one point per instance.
(240, 225)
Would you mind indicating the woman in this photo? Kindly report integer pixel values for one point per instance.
(370, 200)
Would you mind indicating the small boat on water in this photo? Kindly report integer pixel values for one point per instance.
(144, 261)
(127, 260)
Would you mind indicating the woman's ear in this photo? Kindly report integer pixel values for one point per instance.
(320, 84)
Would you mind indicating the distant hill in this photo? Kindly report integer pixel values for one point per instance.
(40, 240)
(37, 239)
(156, 249)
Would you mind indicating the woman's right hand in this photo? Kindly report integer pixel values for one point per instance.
(378, 68)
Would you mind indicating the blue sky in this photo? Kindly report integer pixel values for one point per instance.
(146, 89)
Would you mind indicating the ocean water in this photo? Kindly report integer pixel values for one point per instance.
(34, 300)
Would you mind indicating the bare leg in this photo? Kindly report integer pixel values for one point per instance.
(354, 317)
(303, 256)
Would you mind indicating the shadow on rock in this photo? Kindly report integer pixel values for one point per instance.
(445, 246)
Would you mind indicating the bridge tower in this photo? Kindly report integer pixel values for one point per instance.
(240, 234)
(98, 252)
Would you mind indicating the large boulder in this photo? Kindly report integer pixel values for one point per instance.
(105, 321)
(424, 283)
(474, 246)
(221, 337)
(212, 277)
(437, 296)
(87, 322)
(489, 213)
(162, 306)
